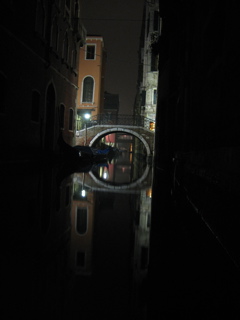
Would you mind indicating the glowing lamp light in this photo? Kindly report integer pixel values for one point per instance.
(87, 116)
(83, 193)
(105, 175)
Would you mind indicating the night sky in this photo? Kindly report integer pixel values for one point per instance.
(119, 23)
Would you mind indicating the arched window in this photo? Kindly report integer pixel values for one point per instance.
(76, 9)
(74, 58)
(154, 96)
(70, 125)
(35, 106)
(65, 48)
(54, 34)
(50, 118)
(61, 116)
(88, 85)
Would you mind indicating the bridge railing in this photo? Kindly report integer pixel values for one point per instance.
(122, 119)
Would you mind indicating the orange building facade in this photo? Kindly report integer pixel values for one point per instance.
(91, 72)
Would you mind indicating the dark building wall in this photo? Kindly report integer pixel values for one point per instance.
(30, 61)
(198, 83)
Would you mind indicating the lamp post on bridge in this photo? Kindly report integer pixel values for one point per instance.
(87, 117)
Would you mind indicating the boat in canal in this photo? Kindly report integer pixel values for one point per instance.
(85, 153)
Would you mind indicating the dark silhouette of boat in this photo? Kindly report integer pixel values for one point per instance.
(81, 154)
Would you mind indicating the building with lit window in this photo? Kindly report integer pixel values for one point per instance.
(146, 99)
(90, 98)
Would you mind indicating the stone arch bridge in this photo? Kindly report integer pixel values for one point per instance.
(103, 124)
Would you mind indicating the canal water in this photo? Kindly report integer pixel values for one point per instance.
(76, 244)
(114, 240)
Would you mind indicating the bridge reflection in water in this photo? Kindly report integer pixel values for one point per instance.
(110, 219)
(77, 245)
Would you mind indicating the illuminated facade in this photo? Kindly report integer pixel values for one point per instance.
(146, 101)
(91, 71)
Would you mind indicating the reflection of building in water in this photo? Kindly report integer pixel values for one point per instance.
(82, 216)
(142, 239)
(129, 165)
(146, 99)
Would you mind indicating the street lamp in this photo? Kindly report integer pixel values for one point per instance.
(87, 116)
(83, 191)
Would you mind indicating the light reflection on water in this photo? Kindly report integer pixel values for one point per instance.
(77, 244)
(110, 234)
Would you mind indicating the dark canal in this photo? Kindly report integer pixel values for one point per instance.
(77, 243)
(114, 240)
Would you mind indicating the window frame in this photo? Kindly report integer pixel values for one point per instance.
(154, 96)
(78, 211)
(87, 52)
(93, 90)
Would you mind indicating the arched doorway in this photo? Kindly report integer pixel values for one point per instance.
(50, 118)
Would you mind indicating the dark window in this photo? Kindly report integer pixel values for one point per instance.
(70, 126)
(35, 106)
(81, 220)
(67, 9)
(40, 18)
(154, 96)
(61, 116)
(55, 32)
(80, 259)
(156, 21)
(90, 54)
(148, 24)
(76, 9)
(144, 257)
(87, 90)
(50, 118)
(143, 98)
(3, 88)
(154, 62)
(68, 3)
(148, 220)
(74, 59)
(65, 48)
(67, 198)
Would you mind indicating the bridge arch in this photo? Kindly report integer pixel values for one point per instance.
(117, 129)
(124, 186)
